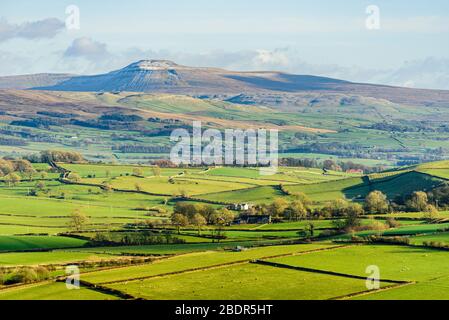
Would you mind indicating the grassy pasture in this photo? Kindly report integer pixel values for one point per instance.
(46, 207)
(45, 258)
(167, 249)
(163, 185)
(425, 290)
(52, 291)
(442, 173)
(110, 171)
(243, 282)
(406, 183)
(413, 229)
(17, 243)
(264, 194)
(11, 230)
(195, 260)
(284, 175)
(434, 165)
(246, 181)
(438, 237)
(357, 188)
(395, 262)
(326, 191)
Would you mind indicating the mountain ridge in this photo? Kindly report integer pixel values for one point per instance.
(165, 76)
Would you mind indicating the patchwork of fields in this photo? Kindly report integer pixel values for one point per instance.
(252, 261)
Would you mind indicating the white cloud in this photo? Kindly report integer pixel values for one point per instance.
(87, 48)
(47, 28)
(87, 56)
(426, 73)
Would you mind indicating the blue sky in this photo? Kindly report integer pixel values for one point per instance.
(320, 37)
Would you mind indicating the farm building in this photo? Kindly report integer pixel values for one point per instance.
(240, 206)
(358, 171)
(251, 219)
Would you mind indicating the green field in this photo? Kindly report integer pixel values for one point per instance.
(47, 258)
(357, 188)
(20, 243)
(395, 262)
(424, 290)
(437, 237)
(52, 291)
(254, 195)
(244, 283)
(195, 260)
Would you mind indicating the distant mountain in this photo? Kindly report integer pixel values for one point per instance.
(32, 80)
(167, 76)
(265, 87)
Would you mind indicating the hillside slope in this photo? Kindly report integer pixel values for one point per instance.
(32, 80)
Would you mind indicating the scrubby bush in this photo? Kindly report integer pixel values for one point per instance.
(392, 223)
(24, 275)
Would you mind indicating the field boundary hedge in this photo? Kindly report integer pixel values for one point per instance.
(330, 273)
(102, 289)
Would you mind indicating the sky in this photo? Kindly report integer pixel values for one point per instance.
(394, 42)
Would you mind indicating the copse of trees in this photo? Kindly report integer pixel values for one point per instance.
(440, 196)
(21, 166)
(280, 208)
(60, 156)
(13, 171)
(6, 167)
(328, 164)
(199, 215)
(418, 201)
